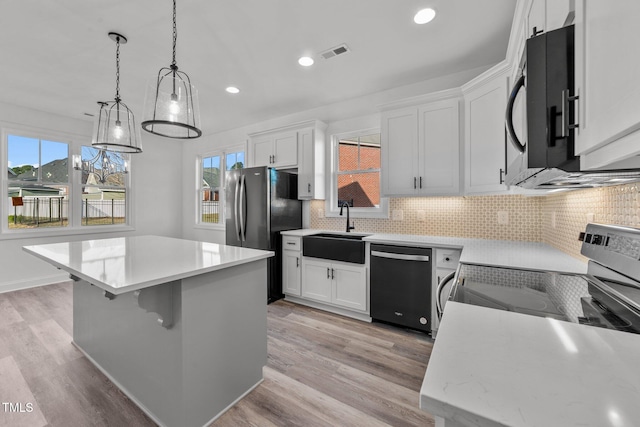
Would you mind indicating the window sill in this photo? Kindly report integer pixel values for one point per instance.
(67, 231)
(212, 227)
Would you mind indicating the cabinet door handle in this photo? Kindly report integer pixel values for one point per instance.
(328, 276)
(566, 124)
(291, 243)
(309, 188)
(420, 182)
(501, 176)
(297, 262)
(332, 271)
(414, 183)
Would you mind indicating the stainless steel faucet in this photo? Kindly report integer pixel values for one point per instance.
(349, 227)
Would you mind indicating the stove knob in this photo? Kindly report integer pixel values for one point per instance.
(423, 321)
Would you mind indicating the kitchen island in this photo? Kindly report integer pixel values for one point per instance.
(179, 326)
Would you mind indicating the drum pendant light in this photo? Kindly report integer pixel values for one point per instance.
(114, 127)
(171, 105)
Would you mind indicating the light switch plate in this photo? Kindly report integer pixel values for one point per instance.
(421, 216)
(397, 215)
(320, 212)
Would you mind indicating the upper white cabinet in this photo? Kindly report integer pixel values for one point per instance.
(547, 15)
(485, 158)
(278, 150)
(298, 146)
(607, 70)
(311, 162)
(421, 148)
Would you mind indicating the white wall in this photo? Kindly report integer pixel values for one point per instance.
(156, 176)
(351, 114)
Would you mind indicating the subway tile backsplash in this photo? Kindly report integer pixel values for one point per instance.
(556, 219)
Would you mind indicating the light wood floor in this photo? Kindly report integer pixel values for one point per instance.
(323, 370)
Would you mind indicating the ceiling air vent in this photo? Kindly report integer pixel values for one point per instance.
(335, 51)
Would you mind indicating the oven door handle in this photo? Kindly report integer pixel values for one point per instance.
(405, 257)
(439, 306)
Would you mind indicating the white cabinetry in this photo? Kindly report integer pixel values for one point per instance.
(547, 15)
(311, 162)
(300, 146)
(421, 148)
(485, 100)
(337, 283)
(607, 70)
(291, 265)
(278, 150)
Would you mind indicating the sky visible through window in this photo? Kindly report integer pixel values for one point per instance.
(24, 151)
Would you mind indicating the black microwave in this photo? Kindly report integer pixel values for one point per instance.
(548, 80)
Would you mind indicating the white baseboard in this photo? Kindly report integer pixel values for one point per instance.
(326, 307)
(32, 283)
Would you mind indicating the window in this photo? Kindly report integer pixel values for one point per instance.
(37, 183)
(211, 184)
(104, 189)
(356, 174)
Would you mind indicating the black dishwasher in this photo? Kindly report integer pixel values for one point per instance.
(400, 286)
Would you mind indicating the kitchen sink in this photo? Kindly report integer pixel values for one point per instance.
(346, 247)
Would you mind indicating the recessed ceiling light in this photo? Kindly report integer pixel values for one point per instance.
(232, 89)
(305, 61)
(424, 16)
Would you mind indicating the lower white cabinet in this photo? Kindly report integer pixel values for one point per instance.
(338, 283)
(291, 265)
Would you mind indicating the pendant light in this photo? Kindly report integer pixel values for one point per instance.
(171, 105)
(114, 127)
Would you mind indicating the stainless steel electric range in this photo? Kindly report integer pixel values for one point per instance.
(608, 296)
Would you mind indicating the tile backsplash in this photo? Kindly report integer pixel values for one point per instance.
(556, 219)
(470, 216)
(564, 215)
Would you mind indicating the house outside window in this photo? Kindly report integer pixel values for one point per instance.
(37, 183)
(355, 178)
(211, 181)
(104, 187)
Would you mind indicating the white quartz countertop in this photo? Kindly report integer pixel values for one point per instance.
(125, 264)
(500, 253)
(498, 368)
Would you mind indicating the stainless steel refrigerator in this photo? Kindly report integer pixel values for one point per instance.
(261, 202)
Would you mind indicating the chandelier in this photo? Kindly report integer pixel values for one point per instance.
(100, 165)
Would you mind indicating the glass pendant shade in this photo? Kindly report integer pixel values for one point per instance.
(115, 129)
(115, 126)
(171, 106)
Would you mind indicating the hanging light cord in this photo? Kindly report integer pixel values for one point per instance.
(118, 69)
(175, 37)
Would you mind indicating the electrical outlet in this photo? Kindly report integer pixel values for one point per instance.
(553, 219)
(422, 216)
(320, 212)
(590, 217)
(397, 215)
(503, 217)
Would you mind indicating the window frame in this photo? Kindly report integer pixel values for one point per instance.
(74, 227)
(331, 206)
(222, 153)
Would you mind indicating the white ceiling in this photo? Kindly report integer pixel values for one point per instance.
(57, 57)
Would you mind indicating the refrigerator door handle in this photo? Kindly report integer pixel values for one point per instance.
(236, 207)
(243, 190)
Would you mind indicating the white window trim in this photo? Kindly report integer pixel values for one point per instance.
(331, 209)
(74, 227)
(222, 152)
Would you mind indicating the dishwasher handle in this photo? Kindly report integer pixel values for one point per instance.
(439, 306)
(404, 257)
